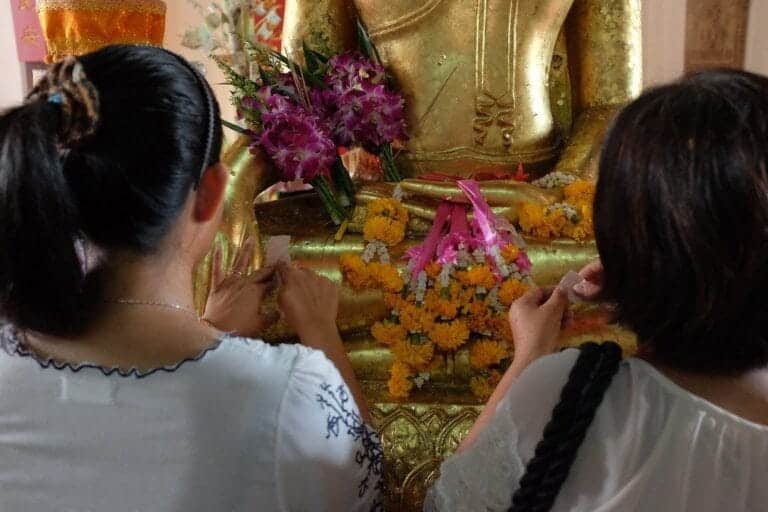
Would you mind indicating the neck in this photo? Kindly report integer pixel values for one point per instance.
(158, 278)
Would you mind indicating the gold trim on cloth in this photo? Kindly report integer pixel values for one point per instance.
(76, 27)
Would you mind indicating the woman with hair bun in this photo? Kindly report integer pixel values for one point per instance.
(681, 225)
(114, 395)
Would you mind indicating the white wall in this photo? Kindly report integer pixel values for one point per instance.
(757, 38)
(663, 40)
(11, 85)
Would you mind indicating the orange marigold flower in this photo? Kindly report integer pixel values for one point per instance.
(480, 275)
(580, 191)
(388, 333)
(501, 328)
(510, 252)
(483, 387)
(433, 269)
(486, 353)
(355, 271)
(449, 335)
(479, 316)
(392, 300)
(400, 383)
(531, 217)
(555, 220)
(511, 290)
(445, 308)
(387, 277)
(415, 355)
(384, 229)
(388, 207)
(414, 318)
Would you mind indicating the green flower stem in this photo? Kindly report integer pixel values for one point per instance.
(234, 127)
(343, 183)
(332, 206)
(391, 172)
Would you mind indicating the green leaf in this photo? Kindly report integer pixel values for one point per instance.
(366, 45)
(234, 127)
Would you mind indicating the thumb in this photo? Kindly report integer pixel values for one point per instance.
(533, 297)
(558, 302)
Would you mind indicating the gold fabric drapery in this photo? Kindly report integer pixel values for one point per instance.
(75, 27)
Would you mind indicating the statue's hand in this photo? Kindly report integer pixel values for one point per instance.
(422, 197)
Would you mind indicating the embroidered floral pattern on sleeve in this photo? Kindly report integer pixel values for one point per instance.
(345, 419)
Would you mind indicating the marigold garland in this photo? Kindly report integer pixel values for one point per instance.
(487, 353)
(483, 385)
(400, 383)
(444, 308)
(572, 218)
(449, 336)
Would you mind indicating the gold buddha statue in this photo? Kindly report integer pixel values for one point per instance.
(489, 84)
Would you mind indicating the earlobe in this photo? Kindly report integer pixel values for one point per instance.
(210, 192)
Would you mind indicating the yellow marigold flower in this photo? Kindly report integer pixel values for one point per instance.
(579, 232)
(511, 290)
(400, 384)
(387, 277)
(580, 191)
(480, 275)
(483, 387)
(486, 353)
(510, 252)
(531, 217)
(555, 220)
(355, 271)
(415, 355)
(388, 207)
(388, 333)
(414, 318)
(449, 335)
(384, 229)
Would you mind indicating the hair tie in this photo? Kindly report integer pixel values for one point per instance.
(66, 84)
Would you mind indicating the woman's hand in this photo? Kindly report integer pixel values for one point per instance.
(310, 304)
(234, 302)
(592, 286)
(536, 319)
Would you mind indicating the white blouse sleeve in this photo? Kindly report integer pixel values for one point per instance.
(327, 457)
(486, 475)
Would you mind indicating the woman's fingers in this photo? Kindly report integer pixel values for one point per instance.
(217, 272)
(244, 258)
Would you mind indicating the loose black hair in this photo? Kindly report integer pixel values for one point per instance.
(681, 221)
(119, 188)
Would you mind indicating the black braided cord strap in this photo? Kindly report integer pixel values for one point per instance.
(581, 396)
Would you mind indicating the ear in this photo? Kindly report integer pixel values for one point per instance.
(210, 192)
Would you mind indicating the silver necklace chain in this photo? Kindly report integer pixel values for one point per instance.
(156, 304)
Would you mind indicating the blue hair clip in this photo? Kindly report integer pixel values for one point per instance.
(56, 98)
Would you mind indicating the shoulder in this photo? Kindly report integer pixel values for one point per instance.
(251, 353)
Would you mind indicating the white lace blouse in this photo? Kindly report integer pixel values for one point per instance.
(652, 447)
(243, 427)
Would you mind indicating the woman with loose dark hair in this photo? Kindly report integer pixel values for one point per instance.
(114, 394)
(681, 223)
